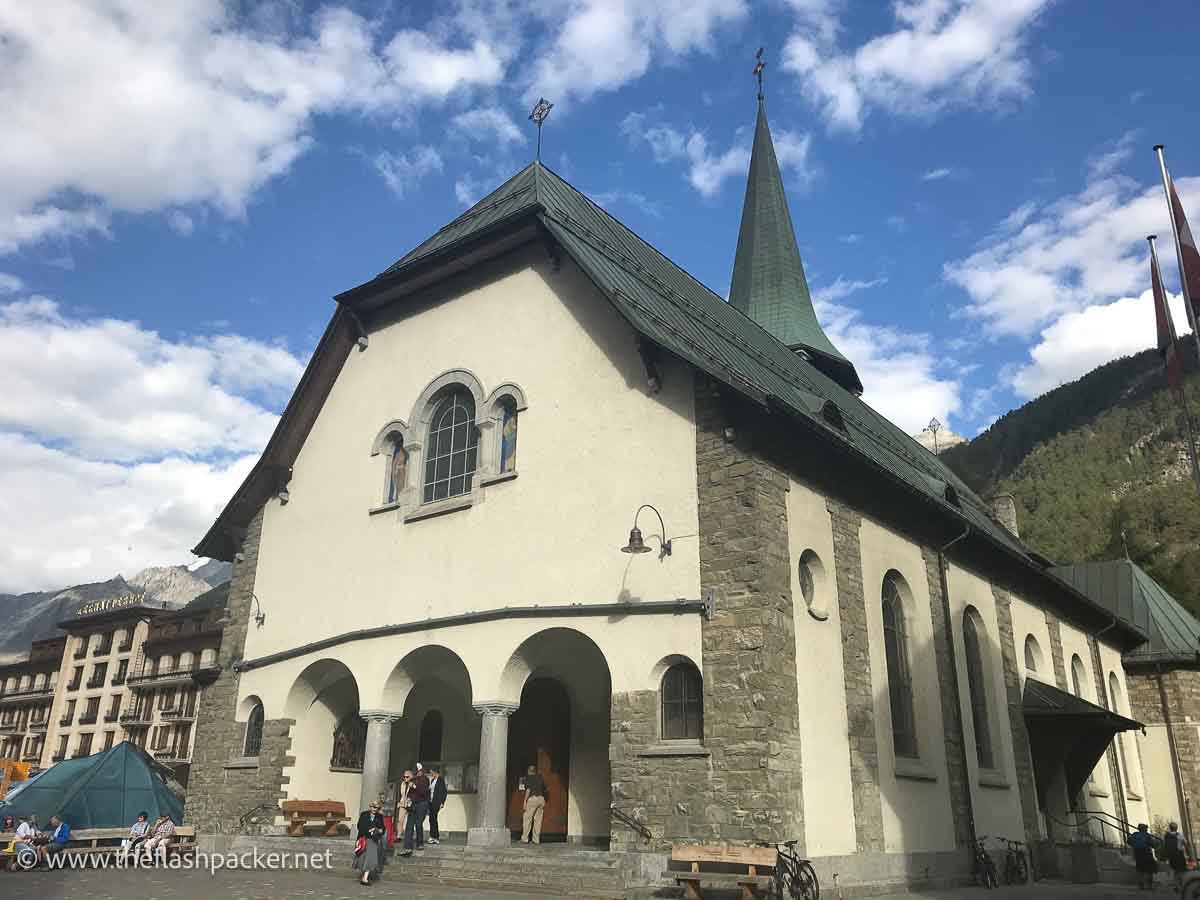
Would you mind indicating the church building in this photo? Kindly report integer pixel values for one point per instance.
(543, 498)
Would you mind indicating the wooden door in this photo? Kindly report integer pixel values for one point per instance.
(539, 733)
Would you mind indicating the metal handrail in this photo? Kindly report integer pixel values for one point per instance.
(631, 822)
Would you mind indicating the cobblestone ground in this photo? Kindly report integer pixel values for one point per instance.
(340, 884)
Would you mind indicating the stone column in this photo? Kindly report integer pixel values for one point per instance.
(376, 754)
(490, 829)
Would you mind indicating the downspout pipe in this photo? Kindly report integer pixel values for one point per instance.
(943, 566)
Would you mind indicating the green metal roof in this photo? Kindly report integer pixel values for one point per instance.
(1127, 592)
(768, 281)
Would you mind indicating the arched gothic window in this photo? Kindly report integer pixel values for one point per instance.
(349, 742)
(452, 448)
(1033, 654)
(429, 744)
(397, 468)
(682, 703)
(895, 642)
(254, 731)
(973, 638)
(508, 435)
(1078, 676)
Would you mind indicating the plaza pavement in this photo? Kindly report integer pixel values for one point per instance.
(340, 884)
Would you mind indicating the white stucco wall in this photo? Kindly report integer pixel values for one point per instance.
(593, 445)
(916, 806)
(995, 793)
(1029, 619)
(1162, 797)
(820, 677)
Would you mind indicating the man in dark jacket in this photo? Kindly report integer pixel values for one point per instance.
(414, 828)
(437, 799)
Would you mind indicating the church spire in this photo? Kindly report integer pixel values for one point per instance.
(768, 277)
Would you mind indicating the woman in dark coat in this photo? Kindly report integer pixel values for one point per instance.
(1143, 844)
(371, 830)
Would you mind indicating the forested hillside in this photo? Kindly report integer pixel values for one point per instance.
(1095, 458)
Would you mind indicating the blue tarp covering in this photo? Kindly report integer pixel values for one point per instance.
(104, 790)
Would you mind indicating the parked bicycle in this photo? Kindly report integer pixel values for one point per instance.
(794, 877)
(985, 868)
(1016, 868)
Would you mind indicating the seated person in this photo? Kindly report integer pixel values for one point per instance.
(139, 832)
(59, 836)
(164, 830)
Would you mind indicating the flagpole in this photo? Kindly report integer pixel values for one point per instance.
(1183, 282)
(1189, 432)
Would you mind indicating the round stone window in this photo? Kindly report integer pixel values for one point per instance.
(812, 585)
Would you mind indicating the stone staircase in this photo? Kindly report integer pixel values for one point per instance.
(554, 869)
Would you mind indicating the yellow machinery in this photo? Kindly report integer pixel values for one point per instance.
(11, 772)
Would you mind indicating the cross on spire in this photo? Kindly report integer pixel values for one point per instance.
(759, 65)
(540, 111)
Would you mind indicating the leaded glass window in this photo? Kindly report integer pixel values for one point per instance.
(895, 641)
(977, 687)
(452, 448)
(508, 436)
(254, 731)
(682, 703)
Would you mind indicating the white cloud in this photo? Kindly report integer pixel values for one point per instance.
(65, 519)
(898, 369)
(708, 168)
(10, 284)
(1046, 260)
(487, 125)
(180, 222)
(401, 171)
(1105, 163)
(937, 174)
(941, 52)
(1078, 341)
(601, 45)
(638, 201)
(189, 104)
(108, 389)
(897, 223)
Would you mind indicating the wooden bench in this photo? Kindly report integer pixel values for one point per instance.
(330, 813)
(697, 855)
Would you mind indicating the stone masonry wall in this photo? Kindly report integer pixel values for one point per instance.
(1016, 718)
(1056, 652)
(856, 665)
(223, 787)
(956, 766)
(1182, 688)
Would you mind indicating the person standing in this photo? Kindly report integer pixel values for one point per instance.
(1176, 849)
(371, 831)
(437, 799)
(1143, 842)
(414, 827)
(535, 806)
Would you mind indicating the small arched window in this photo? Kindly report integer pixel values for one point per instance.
(452, 448)
(1078, 676)
(254, 731)
(973, 649)
(429, 744)
(508, 435)
(682, 703)
(397, 468)
(895, 642)
(1033, 654)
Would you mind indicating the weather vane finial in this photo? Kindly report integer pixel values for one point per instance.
(759, 65)
(538, 116)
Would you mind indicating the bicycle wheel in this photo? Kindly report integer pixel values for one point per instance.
(775, 888)
(802, 883)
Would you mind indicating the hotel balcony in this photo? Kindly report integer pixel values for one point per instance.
(111, 716)
(171, 755)
(94, 682)
(135, 717)
(125, 647)
(17, 697)
(39, 724)
(80, 652)
(178, 715)
(75, 685)
(7, 727)
(66, 720)
(33, 756)
(194, 674)
(118, 679)
(88, 718)
(59, 756)
(103, 649)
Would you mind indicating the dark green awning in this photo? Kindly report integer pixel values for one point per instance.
(1067, 732)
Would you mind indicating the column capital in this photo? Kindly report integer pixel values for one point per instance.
(496, 709)
(379, 715)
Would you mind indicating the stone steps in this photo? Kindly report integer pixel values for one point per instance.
(549, 869)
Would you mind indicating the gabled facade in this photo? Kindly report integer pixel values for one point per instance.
(825, 641)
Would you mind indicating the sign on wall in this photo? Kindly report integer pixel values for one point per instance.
(108, 605)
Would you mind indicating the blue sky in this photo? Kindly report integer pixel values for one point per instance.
(182, 191)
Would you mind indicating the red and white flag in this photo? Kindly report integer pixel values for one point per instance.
(1189, 254)
(1168, 347)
